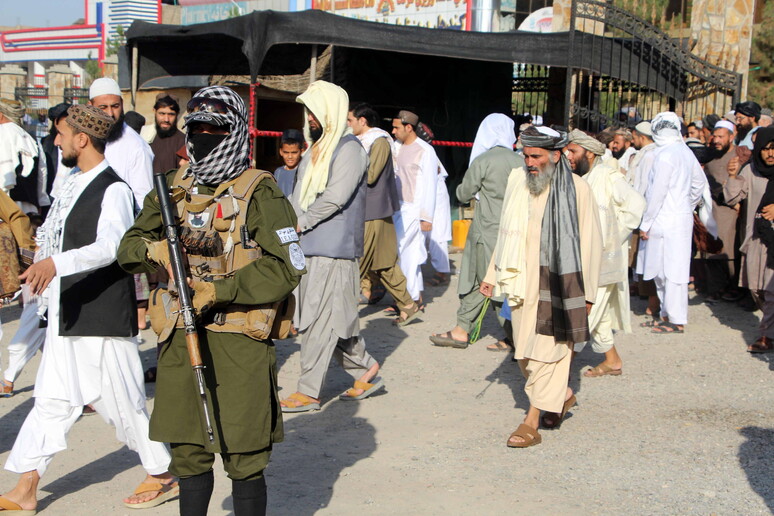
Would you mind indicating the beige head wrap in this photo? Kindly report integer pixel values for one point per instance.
(589, 143)
(90, 120)
(329, 104)
(12, 109)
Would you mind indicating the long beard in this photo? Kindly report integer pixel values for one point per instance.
(582, 167)
(741, 132)
(316, 134)
(537, 183)
(619, 154)
(117, 131)
(719, 153)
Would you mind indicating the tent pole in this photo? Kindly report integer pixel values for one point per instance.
(313, 65)
(135, 65)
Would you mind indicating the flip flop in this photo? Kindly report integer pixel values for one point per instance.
(665, 327)
(307, 403)
(411, 314)
(501, 345)
(367, 388)
(560, 417)
(762, 345)
(650, 324)
(602, 370)
(445, 340)
(166, 493)
(530, 437)
(9, 507)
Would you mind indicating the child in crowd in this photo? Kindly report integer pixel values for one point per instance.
(291, 147)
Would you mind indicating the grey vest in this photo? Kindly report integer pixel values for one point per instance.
(382, 196)
(341, 234)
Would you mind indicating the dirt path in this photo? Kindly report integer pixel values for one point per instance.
(687, 429)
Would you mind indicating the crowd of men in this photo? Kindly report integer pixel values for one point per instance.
(567, 225)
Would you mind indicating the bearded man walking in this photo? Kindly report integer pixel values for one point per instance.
(549, 282)
(620, 212)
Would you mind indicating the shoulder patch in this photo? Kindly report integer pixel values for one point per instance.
(286, 235)
(297, 258)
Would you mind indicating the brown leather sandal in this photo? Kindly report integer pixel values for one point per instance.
(552, 420)
(530, 437)
(762, 345)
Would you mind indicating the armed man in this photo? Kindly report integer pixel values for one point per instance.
(238, 233)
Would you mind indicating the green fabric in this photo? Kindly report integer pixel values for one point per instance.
(240, 373)
(189, 460)
(487, 176)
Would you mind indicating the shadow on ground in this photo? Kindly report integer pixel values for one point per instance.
(755, 458)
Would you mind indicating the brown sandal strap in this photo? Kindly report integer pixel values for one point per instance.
(8, 505)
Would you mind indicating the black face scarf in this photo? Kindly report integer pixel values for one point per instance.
(762, 228)
(202, 144)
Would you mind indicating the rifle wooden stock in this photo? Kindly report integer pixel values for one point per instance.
(179, 275)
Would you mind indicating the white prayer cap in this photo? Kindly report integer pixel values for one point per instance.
(725, 124)
(731, 115)
(104, 86)
(548, 131)
(644, 128)
(538, 120)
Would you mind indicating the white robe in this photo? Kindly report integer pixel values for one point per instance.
(416, 171)
(676, 183)
(438, 238)
(620, 211)
(132, 159)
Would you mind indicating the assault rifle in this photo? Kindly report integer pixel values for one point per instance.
(184, 294)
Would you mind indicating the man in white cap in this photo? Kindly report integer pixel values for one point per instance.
(128, 154)
(720, 267)
(675, 187)
(620, 212)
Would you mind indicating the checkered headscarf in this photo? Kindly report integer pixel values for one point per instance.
(232, 157)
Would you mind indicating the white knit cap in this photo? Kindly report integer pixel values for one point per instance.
(104, 86)
(644, 128)
(725, 124)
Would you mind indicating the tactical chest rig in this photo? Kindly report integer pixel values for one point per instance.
(213, 231)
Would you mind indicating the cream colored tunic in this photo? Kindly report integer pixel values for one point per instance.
(529, 344)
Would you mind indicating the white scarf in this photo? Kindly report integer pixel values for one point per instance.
(369, 137)
(496, 130)
(16, 146)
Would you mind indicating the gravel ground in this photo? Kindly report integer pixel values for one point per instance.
(687, 429)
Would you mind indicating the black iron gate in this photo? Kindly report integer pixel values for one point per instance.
(622, 69)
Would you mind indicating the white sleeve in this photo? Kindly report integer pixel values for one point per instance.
(141, 173)
(116, 217)
(428, 177)
(43, 199)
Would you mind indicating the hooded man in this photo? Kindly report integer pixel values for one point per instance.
(676, 185)
(238, 231)
(620, 212)
(754, 184)
(546, 263)
(491, 162)
(329, 199)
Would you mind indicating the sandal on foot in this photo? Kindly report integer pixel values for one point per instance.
(445, 340)
(552, 420)
(411, 313)
(363, 300)
(665, 327)
(501, 345)
(602, 370)
(166, 493)
(9, 507)
(367, 388)
(530, 437)
(377, 294)
(392, 310)
(762, 345)
(440, 278)
(6, 391)
(650, 324)
(305, 403)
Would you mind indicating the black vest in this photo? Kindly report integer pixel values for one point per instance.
(26, 188)
(382, 196)
(98, 303)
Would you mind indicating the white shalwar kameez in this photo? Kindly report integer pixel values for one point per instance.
(620, 211)
(416, 170)
(75, 371)
(132, 159)
(675, 186)
(438, 238)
